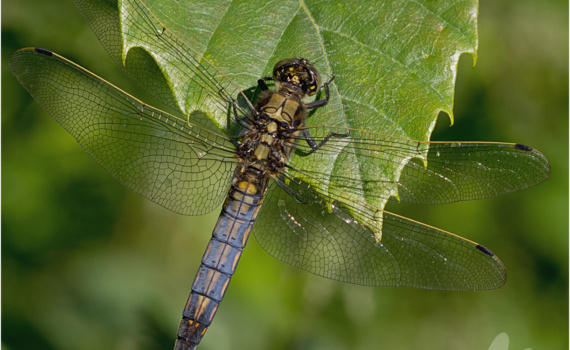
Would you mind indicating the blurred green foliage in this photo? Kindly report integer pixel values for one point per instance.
(86, 264)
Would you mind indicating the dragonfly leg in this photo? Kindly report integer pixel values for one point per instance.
(321, 103)
(262, 85)
(316, 104)
(311, 141)
(233, 104)
(239, 120)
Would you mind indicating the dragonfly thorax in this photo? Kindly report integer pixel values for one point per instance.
(265, 148)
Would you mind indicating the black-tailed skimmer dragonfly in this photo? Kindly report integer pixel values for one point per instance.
(318, 221)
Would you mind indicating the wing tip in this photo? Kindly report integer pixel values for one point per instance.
(539, 157)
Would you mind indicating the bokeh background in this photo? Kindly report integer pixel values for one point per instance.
(87, 264)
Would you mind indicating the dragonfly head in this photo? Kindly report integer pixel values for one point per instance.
(297, 75)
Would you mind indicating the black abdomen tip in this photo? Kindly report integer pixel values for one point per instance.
(523, 147)
(44, 51)
(484, 250)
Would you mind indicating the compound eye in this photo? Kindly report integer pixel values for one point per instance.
(281, 69)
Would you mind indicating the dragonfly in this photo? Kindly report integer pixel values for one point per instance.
(325, 222)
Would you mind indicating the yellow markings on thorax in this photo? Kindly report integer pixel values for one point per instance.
(274, 113)
(262, 150)
(266, 138)
(275, 108)
(290, 109)
(272, 127)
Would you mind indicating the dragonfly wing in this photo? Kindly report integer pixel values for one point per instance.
(181, 166)
(374, 167)
(462, 171)
(157, 59)
(327, 241)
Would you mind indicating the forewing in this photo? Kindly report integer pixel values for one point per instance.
(181, 166)
(309, 233)
(169, 68)
(431, 172)
(462, 171)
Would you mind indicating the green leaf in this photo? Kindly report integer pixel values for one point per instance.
(394, 62)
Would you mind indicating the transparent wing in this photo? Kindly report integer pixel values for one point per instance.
(132, 28)
(453, 171)
(462, 171)
(327, 241)
(183, 167)
(324, 223)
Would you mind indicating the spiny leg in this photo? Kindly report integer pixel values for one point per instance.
(314, 105)
(311, 141)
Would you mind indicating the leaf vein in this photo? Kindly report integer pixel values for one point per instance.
(402, 65)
